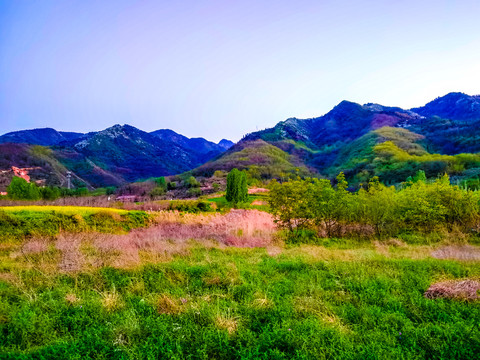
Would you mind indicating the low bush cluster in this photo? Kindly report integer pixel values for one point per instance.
(418, 206)
(25, 223)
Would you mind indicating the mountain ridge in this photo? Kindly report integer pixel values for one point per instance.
(362, 140)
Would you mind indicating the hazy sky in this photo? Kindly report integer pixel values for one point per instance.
(220, 69)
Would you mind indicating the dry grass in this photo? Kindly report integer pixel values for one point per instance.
(458, 252)
(261, 301)
(454, 289)
(173, 234)
(227, 322)
(69, 245)
(169, 306)
(111, 301)
(35, 246)
(72, 299)
(257, 190)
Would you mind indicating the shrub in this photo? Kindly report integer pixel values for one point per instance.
(20, 189)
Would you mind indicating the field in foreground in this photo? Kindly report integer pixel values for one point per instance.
(156, 293)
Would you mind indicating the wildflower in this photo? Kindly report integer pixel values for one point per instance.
(183, 300)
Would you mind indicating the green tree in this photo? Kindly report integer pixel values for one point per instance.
(161, 183)
(376, 205)
(291, 205)
(192, 182)
(237, 190)
(20, 189)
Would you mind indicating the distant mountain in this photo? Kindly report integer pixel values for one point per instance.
(453, 106)
(116, 155)
(198, 145)
(44, 136)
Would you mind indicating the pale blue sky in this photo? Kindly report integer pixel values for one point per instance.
(220, 69)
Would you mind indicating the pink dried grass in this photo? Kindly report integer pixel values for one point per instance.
(35, 246)
(172, 235)
(69, 245)
(454, 289)
(257, 190)
(460, 252)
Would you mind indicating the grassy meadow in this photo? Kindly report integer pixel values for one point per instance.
(116, 284)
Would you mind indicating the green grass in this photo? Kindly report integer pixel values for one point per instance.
(222, 203)
(309, 302)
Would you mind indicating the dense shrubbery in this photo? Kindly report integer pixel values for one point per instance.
(20, 224)
(191, 206)
(418, 206)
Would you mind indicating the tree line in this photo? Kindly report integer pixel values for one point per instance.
(375, 209)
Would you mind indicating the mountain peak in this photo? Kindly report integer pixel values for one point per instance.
(454, 105)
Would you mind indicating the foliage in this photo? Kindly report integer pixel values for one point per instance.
(419, 206)
(194, 191)
(20, 189)
(266, 161)
(237, 190)
(161, 182)
(190, 206)
(19, 222)
(50, 193)
(192, 182)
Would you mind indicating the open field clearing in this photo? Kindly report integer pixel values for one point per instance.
(227, 286)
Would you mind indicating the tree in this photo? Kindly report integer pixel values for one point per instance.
(161, 183)
(376, 205)
(20, 189)
(290, 204)
(237, 190)
(192, 182)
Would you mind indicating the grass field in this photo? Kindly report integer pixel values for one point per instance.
(179, 289)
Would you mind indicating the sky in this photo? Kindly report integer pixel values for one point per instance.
(222, 69)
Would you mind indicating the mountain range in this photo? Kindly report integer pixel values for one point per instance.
(366, 140)
(361, 140)
(118, 154)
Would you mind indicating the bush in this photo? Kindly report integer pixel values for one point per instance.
(50, 193)
(20, 189)
(418, 206)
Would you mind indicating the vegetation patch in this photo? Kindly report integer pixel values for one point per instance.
(454, 289)
(18, 222)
